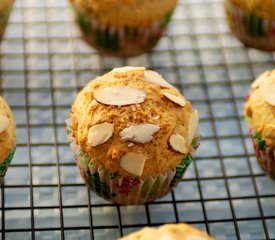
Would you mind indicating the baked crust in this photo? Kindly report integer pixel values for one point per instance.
(131, 13)
(156, 109)
(180, 231)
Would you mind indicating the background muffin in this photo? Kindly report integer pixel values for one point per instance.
(133, 135)
(260, 115)
(7, 137)
(5, 9)
(253, 22)
(122, 28)
(178, 231)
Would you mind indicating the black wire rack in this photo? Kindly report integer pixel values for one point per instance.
(44, 63)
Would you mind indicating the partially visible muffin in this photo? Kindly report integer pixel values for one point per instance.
(180, 231)
(7, 137)
(122, 28)
(260, 116)
(133, 135)
(5, 10)
(252, 22)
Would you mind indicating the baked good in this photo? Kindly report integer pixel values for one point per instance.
(260, 116)
(252, 22)
(5, 10)
(132, 134)
(122, 28)
(180, 231)
(7, 137)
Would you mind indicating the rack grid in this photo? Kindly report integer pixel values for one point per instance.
(44, 63)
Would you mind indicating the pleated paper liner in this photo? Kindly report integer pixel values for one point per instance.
(119, 42)
(120, 188)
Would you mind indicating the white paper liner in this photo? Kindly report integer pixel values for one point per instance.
(123, 189)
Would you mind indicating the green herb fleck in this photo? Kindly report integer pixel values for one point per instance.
(261, 143)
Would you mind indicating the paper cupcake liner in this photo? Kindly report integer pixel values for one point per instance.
(250, 29)
(124, 189)
(4, 17)
(4, 166)
(122, 41)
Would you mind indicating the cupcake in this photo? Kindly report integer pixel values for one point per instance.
(260, 116)
(253, 22)
(180, 231)
(122, 28)
(7, 137)
(132, 134)
(5, 9)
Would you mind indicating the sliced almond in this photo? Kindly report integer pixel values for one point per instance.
(133, 163)
(178, 143)
(155, 78)
(260, 79)
(269, 131)
(100, 133)
(128, 69)
(193, 129)
(180, 100)
(4, 123)
(141, 133)
(119, 96)
(268, 93)
(131, 145)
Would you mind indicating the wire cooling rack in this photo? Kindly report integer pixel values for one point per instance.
(44, 64)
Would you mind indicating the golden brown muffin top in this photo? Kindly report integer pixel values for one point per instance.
(261, 8)
(7, 127)
(260, 106)
(132, 13)
(178, 231)
(5, 4)
(132, 121)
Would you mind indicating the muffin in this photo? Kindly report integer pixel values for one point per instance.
(122, 28)
(260, 116)
(7, 137)
(5, 10)
(180, 231)
(252, 22)
(133, 135)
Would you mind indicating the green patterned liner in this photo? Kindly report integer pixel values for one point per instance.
(251, 30)
(4, 17)
(120, 42)
(124, 189)
(4, 166)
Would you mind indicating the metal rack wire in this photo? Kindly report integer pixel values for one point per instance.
(44, 63)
